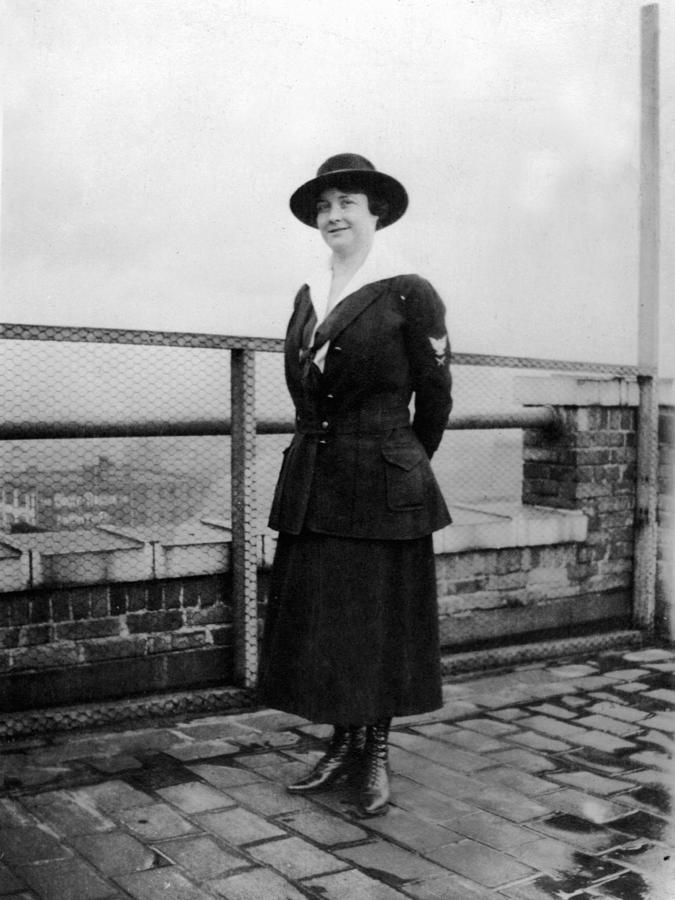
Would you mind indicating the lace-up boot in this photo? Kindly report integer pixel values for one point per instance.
(375, 791)
(344, 751)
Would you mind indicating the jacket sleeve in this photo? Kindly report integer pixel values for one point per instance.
(428, 349)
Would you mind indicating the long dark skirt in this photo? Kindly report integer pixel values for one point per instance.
(351, 631)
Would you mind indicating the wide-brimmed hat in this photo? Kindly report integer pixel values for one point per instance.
(349, 169)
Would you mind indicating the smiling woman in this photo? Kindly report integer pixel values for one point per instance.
(345, 220)
(351, 632)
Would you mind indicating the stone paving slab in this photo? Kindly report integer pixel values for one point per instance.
(9, 883)
(153, 822)
(65, 815)
(296, 858)
(534, 741)
(114, 853)
(201, 856)
(392, 862)
(483, 865)
(551, 709)
(195, 796)
(509, 776)
(592, 783)
(562, 861)
(493, 831)
(551, 780)
(238, 826)
(472, 741)
(61, 878)
(30, 845)
(525, 760)
(202, 750)
(605, 723)
(159, 884)
(449, 887)
(350, 885)
(430, 806)
(453, 758)
(412, 831)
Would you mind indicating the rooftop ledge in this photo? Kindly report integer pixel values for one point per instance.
(106, 554)
(499, 525)
(584, 390)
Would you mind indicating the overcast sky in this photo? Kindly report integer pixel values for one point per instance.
(150, 147)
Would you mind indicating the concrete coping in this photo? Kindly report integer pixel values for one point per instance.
(584, 390)
(667, 392)
(500, 525)
(105, 555)
(575, 390)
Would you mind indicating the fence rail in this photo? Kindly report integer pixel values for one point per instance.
(91, 335)
(536, 417)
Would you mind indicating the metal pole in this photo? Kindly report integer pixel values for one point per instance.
(244, 517)
(648, 317)
(55, 429)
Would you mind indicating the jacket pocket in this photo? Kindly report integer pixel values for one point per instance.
(279, 489)
(404, 473)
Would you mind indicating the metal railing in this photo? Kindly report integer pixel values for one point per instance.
(243, 425)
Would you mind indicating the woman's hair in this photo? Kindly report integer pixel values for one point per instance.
(377, 206)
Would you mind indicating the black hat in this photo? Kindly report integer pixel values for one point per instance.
(349, 169)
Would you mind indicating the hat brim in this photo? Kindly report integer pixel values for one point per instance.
(303, 201)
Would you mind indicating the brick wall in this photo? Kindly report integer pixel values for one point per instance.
(588, 465)
(521, 594)
(109, 641)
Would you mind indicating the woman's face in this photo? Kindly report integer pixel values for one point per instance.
(345, 221)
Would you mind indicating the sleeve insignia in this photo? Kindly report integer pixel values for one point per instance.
(440, 347)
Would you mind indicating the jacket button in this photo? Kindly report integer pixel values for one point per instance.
(324, 425)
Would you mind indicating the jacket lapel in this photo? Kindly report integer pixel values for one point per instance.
(346, 311)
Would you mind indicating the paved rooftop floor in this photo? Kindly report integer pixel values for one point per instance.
(551, 780)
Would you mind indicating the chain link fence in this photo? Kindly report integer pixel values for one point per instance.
(102, 446)
(142, 457)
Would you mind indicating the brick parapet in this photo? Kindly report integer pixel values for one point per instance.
(590, 466)
(85, 628)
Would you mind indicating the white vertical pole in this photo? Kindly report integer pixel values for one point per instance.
(648, 319)
(648, 345)
(2, 143)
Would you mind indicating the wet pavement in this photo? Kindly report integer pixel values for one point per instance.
(551, 780)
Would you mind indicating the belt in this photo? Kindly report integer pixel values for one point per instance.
(363, 420)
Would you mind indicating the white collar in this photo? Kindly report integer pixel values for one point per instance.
(380, 263)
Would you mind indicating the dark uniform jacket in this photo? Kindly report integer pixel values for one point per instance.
(357, 465)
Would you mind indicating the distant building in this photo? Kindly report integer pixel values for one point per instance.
(18, 506)
(102, 494)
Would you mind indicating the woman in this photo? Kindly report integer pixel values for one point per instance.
(351, 632)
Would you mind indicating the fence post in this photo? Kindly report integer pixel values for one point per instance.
(244, 516)
(648, 416)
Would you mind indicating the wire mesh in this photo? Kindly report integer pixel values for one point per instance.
(115, 494)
